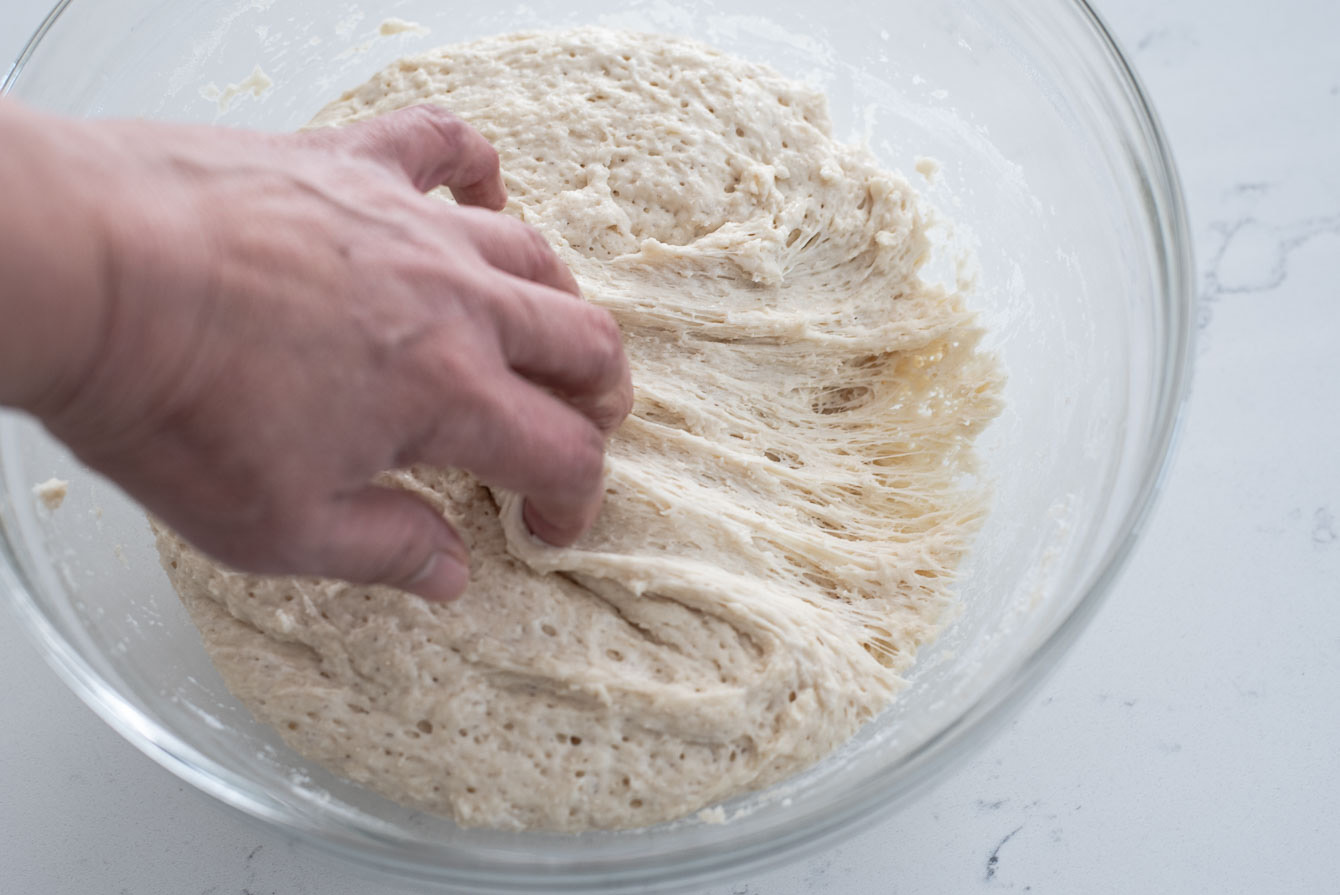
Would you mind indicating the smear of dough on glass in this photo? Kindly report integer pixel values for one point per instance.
(393, 26)
(256, 84)
(51, 493)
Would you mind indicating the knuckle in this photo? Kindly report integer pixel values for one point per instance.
(535, 254)
(264, 548)
(606, 336)
(606, 348)
(462, 365)
(489, 160)
(452, 132)
(445, 128)
(585, 459)
(467, 385)
(618, 406)
(434, 116)
(252, 529)
(406, 558)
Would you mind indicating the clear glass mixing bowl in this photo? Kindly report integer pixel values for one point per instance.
(1055, 172)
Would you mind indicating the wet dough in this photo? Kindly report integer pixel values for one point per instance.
(785, 510)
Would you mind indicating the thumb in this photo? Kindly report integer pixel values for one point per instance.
(383, 536)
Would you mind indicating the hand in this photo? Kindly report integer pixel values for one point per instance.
(285, 316)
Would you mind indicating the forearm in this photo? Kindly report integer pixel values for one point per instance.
(53, 258)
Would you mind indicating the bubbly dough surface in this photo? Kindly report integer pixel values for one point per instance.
(786, 503)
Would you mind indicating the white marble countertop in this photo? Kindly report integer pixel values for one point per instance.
(1189, 743)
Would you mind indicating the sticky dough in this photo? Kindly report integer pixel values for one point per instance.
(785, 505)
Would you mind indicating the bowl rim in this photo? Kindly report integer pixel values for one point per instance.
(927, 764)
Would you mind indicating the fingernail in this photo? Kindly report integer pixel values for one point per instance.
(442, 578)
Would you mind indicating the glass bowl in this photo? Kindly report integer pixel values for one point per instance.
(1054, 172)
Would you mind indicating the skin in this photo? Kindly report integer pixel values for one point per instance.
(242, 329)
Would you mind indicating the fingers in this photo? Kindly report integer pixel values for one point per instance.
(513, 435)
(432, 147)
(547, 335)
(567, 345)
(519, 249)
(382, 536)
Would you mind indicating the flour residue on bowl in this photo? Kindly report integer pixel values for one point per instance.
(256, 85)
(393, 26)
(51, 493)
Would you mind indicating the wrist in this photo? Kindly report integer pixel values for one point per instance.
(55, 293)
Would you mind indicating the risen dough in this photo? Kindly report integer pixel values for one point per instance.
(785, 506)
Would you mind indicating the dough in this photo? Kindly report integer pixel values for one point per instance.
(51, 492)
(787, 502)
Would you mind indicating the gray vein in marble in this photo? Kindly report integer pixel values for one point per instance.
(1251, 188)
(1171, 38)
(1323, 527)
(993, 861)
(816, 874)
(1272, 244)
(1103, 697)
(1251, 257)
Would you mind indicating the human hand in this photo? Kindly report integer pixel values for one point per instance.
(286, 316)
